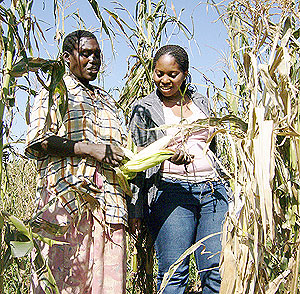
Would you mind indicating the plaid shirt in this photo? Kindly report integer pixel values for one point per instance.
(72, 179)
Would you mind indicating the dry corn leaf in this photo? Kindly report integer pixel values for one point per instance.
(229, 271)
(263, 158)
(176, 264)
(274, 285)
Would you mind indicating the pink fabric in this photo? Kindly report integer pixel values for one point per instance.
(98, 179)
(201, 166)
(93, 261)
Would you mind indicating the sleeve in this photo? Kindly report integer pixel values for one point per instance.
(138, 127)
(43, 124)
(140, 122)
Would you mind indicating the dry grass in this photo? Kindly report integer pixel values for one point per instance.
(19, 182)
(18, 200)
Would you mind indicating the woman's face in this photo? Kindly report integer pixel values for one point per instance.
(85, 61)
(168, 76)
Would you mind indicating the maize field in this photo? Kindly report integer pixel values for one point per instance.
(256, 116)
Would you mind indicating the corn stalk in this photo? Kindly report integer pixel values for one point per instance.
(143, 35)
(8, 53)
(18, 26)
(261, 235)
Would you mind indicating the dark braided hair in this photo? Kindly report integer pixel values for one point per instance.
(73, 39)
(182, 59)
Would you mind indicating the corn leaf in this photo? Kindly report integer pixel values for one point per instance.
(20, 248)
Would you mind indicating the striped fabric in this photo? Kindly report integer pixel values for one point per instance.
(90, 119)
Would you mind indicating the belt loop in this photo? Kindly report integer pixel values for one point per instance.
(211, 186)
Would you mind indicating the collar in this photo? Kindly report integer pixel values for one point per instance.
(72, 82)
(154, 105)
(74, 86)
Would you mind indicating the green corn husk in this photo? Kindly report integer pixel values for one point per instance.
(123, 182)
(150, 156)
(141, 163)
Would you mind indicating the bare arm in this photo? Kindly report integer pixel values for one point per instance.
(109, 154)
(58, 146)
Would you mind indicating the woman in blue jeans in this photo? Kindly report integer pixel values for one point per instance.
(186, 200)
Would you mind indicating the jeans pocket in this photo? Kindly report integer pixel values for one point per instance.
(222, 191)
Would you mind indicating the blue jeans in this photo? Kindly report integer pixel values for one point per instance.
(182, 214)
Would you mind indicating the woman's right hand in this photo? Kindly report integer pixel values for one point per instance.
(181, 157)
(106, 153)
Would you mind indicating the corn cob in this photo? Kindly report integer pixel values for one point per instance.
(150, 156)
(159, 144)
(140, 163)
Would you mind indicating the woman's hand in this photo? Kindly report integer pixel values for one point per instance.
(181, 157)
(109, 154)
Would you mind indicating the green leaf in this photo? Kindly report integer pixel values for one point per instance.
(45, 276)
(20, 226)
(20, 68)
(96, 9)
(231, 98)
(123, 182)
(57, 85)
(48, 241)
(33, 64)
(20, 249)
(63, 98)
(1, 222)
(27, 112)
(130, 144)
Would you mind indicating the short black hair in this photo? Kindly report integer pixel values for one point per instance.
(177, 52)
(73, 39)
(182, 59)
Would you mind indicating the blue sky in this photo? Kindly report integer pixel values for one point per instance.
(207, 51)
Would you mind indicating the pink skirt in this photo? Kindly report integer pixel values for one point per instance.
(93, 261)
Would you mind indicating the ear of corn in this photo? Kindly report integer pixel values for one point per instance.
(140, 163)
(150, 156)
(159, 144)
(128, 154)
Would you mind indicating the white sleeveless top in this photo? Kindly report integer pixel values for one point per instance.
(202, 166)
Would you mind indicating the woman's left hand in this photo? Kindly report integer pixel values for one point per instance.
(181, 157)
